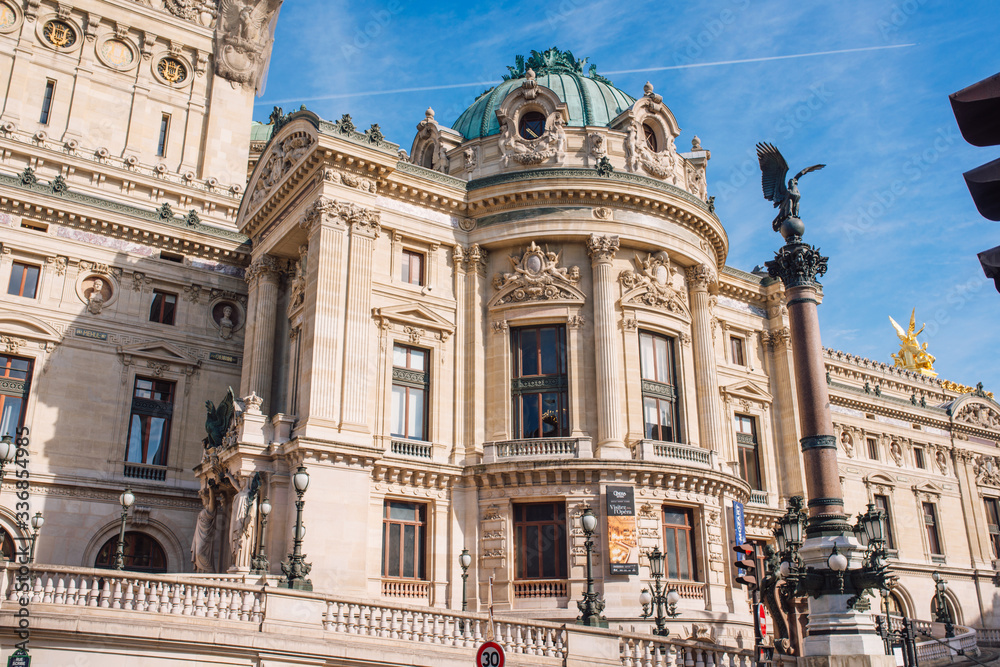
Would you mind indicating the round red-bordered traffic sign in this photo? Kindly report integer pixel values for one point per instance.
(763, 619)
(490, 654)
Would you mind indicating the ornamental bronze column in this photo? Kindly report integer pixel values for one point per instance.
(830, 566)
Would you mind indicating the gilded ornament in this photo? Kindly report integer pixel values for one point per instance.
(912, 355)
(59, 34)
(172, 70)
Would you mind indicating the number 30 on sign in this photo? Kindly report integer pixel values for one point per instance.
(490, 654)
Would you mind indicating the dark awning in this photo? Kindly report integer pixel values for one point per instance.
(977, 110)
(984, 185)
(990, 261)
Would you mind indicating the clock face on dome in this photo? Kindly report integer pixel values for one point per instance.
(532, 125)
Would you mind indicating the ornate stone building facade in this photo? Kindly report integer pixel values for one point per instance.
(466, 345)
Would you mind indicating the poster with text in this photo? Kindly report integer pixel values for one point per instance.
(623, 536)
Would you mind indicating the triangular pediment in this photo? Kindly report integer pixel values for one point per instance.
(879, 479)
(746, 389)
(413, 314)
(928, 488)
(159, 351)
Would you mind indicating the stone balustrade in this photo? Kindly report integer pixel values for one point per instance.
(243, 619)
(655, 652)
(404, 588)
(988, 637)
(540, 588)
(656, 450)
(534, 448)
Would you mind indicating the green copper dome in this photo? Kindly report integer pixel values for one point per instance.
(590, 100)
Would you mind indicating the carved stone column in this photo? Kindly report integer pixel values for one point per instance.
(263, 275)
(699, 278)
(365, 225)
(475, 371)
(610, 445)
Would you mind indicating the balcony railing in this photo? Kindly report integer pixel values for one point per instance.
(656, 450)
(145, 471)
(540, 588)
(405, 588)
(758, 497)
(549, 448)
(416, 449)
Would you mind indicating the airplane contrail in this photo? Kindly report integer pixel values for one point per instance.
(417, 89)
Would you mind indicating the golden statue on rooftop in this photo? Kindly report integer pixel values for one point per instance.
(912, 355)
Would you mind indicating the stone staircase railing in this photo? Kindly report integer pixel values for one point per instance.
(62, 598)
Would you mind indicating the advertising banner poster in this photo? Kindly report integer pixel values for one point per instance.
(623, 536)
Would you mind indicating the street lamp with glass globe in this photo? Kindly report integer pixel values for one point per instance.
(295, 568)
(37, 522)
(126, 499)
(590, 606)
(942, 614)
(465, 560)
(8, 452)
(260, 565)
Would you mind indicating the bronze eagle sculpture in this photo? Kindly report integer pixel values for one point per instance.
(773, 170)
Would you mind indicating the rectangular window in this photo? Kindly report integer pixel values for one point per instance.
(23, 280)
(873, 449)
(882, 503)
(659, 387)
(748, 451)
(930, 525)
(15, 380)
(678, 544)
(736, 351)
(161, 144)
(404, 539)
(539, 384)
(413, 268)
(409, 392)
(540, 541)
(163, 308)
(50, 89)
(149, 422)
(993, 523)
(918, 457)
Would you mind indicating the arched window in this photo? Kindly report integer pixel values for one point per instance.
(895, 606)
(650, 136)
(427, 158)
(948, 604)
(532, 125)
(6, 545)
(142, 553)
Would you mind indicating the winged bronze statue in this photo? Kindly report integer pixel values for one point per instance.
(773, 170)
(218, 419)
(912, 355)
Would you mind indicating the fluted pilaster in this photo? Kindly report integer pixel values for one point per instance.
(699, 279)
(364, 229)
(610, 444)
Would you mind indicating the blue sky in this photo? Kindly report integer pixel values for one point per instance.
(891, 208)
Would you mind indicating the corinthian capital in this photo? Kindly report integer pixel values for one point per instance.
(266, 267)
(700, 276)
(602, 248)
(797, 265)
(367, 221)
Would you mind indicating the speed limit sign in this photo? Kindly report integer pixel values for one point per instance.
(490, 654)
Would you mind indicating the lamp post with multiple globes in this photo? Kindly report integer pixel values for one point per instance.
(659, 599)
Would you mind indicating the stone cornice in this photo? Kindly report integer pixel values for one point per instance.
(40, 202)
(594, 471)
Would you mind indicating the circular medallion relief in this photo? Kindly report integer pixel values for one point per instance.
(59, 34)
(9, 18)
(172, 70)
(117, 53)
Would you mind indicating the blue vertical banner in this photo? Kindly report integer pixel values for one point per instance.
(739, 523)
(739, 528)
